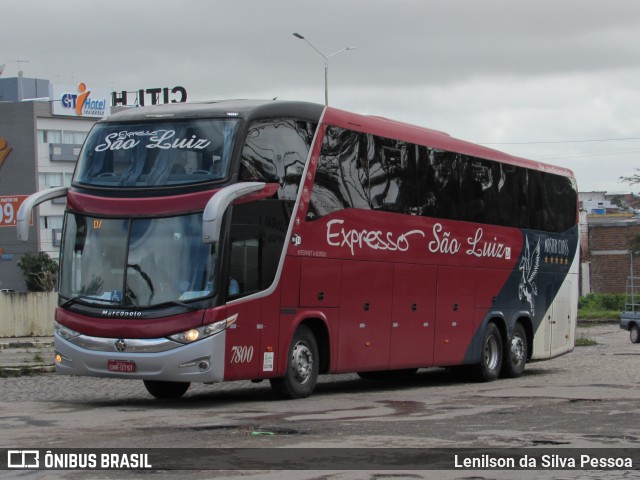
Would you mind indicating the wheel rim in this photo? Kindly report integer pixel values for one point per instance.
(491, 353)
(302, 362)
(518, 350)
(635, 332)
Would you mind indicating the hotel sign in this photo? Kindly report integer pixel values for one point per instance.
(79, 101)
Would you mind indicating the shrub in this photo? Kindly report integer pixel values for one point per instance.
(39, 272)
(602, 301)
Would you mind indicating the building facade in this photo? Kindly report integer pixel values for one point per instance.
(41, 132)
(609, 258)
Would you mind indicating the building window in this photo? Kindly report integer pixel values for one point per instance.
(73, 138)
(51, 221)
(66, 137)
(56, 237)
(48, 180)
(49, 136)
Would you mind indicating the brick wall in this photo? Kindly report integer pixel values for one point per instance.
(611, 237)
(609, 257)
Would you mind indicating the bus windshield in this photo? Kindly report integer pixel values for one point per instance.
(136, 262)
(156, 154)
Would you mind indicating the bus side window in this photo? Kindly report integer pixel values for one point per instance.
(258, 231)
(565, 198)
(244, 267)
(522, 201)
(439, 183)
(480, 185)
(392, 177)
(342, 176)
(275, 152)
(542, 215)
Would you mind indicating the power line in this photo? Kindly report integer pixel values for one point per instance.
(601, 153)
(562, 141)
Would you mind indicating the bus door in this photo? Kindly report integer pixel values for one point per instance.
(413, 322)
(242, 356)
(365, 315)
(455, 311)
(560, 319)
(256, 242)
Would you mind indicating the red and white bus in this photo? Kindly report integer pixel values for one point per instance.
(278, 240)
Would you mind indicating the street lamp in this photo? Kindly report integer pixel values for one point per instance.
(326, 63)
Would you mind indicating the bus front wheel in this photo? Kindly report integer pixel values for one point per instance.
(516, 352)
(166, 390)
(302, 367)
(491, 354)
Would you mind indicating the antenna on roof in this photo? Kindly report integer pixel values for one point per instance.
(18, 61)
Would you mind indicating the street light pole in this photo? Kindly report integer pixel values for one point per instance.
(326, 63)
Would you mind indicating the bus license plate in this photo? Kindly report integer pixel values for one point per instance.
(125, 366)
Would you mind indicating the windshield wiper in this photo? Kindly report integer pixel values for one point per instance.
(93, 301)
(145, 277)
(178, 304)
(86, 300)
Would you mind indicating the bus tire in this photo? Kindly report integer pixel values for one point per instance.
(303, 362)
(490, 355)
(166, 390)
(634, 334)
(515, 357)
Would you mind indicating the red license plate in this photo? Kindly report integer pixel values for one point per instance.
(125, 366)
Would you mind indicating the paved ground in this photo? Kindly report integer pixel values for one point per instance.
(589, 398)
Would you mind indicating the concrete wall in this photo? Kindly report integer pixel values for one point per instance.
(27, 314)
(19, 88)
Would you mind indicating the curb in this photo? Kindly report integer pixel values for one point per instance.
(26, 356)
(26, 370)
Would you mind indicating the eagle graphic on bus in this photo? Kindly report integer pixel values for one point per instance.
(529, 267)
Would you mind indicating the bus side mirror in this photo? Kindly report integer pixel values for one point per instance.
(24, 212)
(217, 205)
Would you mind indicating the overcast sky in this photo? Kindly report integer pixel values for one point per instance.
(551, 80)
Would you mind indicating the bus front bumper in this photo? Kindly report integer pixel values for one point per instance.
(144, 359)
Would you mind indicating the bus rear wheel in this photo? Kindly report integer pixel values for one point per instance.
(516, 354)
(491, 355)
(303, 362)
(166, 390)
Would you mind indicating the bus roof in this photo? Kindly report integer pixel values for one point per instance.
(227, 108)
(384, 127)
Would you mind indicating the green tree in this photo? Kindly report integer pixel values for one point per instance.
(632, 179)
(40, 272)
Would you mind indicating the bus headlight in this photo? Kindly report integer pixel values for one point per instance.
(193, 334)
(65, 332)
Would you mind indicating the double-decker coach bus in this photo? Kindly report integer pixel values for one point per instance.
(282, 240)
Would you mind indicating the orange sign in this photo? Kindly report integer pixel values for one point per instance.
(9, 206)
(5, 150)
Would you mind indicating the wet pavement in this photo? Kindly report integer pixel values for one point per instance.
(586, 399)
